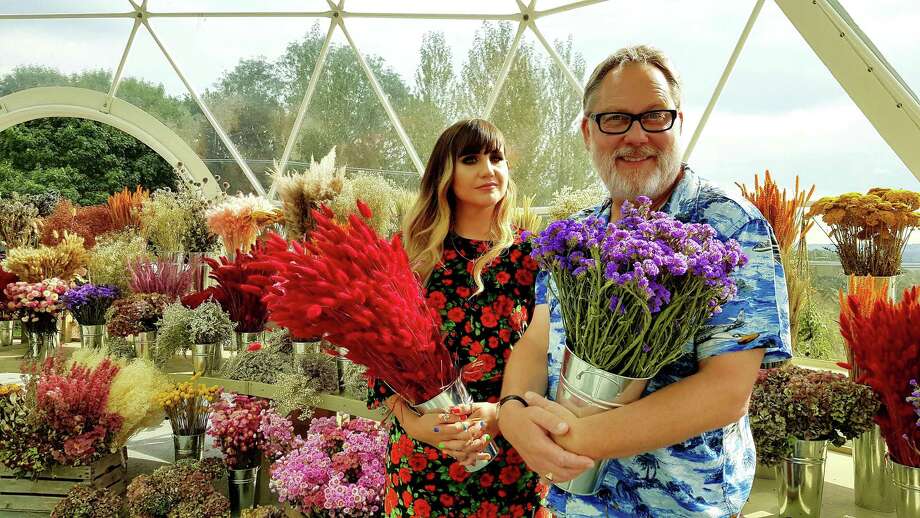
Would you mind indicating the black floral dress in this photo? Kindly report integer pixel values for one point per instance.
(480, 330)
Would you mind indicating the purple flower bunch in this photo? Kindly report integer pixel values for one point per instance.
(89, 302)
(336, 471)
(661, 278)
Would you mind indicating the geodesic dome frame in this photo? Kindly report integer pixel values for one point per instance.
(860, 68)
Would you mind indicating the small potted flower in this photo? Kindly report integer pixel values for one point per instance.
(247, 430)
(88, 304)
(137, 316)
(38, 305)
(188, 405)
(794, 413)
(7, 316)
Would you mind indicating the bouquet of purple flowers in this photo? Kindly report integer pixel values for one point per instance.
(335, 471)
(632, 293)
(89, 302)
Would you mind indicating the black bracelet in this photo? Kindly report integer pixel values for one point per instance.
(512, 397)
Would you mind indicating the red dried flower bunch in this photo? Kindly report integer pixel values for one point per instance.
(886, 346)
(235, 292)
(72, 403)
(356, 290)
(86, 222)
(5, 279)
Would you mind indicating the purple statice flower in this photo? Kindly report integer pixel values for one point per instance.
(643, 264)
(914, 399)
(89, 302)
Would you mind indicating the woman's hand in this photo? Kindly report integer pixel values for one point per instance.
(448, 432)
(482, 418)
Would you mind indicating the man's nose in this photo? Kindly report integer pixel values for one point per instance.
(635, 135)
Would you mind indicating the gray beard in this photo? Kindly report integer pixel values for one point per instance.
(629, 186)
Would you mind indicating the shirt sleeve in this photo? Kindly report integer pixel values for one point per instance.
(758, 316)
(540, 287)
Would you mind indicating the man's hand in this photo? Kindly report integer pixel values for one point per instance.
(558, 418)
(531, 431)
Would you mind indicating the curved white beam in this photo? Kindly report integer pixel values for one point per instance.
(64, 101)
(867, 78)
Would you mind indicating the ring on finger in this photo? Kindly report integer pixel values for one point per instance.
(549, 476)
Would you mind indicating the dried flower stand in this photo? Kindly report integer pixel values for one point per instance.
(50, 487)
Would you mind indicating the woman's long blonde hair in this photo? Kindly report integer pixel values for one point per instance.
(431, 218)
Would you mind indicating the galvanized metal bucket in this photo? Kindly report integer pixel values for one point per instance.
(872, 486)
(907, 483)
(242, 486)
(188, 446)
(206, 358)
(800, 480)
(92, 336)
(6, 332)
(586, 390)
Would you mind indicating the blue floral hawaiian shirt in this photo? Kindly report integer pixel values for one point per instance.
(709, 475)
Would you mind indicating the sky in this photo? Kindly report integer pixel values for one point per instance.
(781, 109)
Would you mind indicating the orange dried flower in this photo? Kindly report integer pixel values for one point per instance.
(124, 207)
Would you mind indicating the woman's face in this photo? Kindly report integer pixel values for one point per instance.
(480, 180)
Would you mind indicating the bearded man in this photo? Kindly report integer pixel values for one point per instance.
(685, 448)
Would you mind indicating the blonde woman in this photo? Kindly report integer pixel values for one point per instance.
(480, 277)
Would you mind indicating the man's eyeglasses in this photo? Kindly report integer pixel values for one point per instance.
(617, 123)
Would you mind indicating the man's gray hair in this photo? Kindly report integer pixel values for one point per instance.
(643, 54)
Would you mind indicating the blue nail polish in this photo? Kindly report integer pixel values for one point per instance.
(437, 429)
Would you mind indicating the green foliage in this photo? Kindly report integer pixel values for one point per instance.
(83, 160)
(256, 101)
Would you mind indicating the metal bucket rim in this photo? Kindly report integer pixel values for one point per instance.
(602, 372)
(900, 474)
(444, 390)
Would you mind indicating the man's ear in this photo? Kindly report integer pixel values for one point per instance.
(586, 131)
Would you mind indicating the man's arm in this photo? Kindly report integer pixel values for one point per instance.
(714, 397)
(527, 428)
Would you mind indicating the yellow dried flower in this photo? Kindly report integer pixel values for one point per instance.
(11, 388)
(870, 230)
(66, 260)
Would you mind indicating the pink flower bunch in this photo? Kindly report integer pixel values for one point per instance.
(34, 301)
(336, 471)
(245, 428)
(277, 434)
(72, 404)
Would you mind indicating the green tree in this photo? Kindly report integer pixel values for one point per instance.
(434, 102)
(83, 160)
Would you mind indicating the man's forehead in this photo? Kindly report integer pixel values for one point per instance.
(634, 87)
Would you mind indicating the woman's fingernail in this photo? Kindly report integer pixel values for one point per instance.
(486, 437)
(440, 445)
(437, 429)
(455, 410)
(482, 424)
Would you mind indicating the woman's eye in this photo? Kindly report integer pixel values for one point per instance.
(497, 158)
(469, 160)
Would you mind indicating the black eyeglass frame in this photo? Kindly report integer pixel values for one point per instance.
(633, 118)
